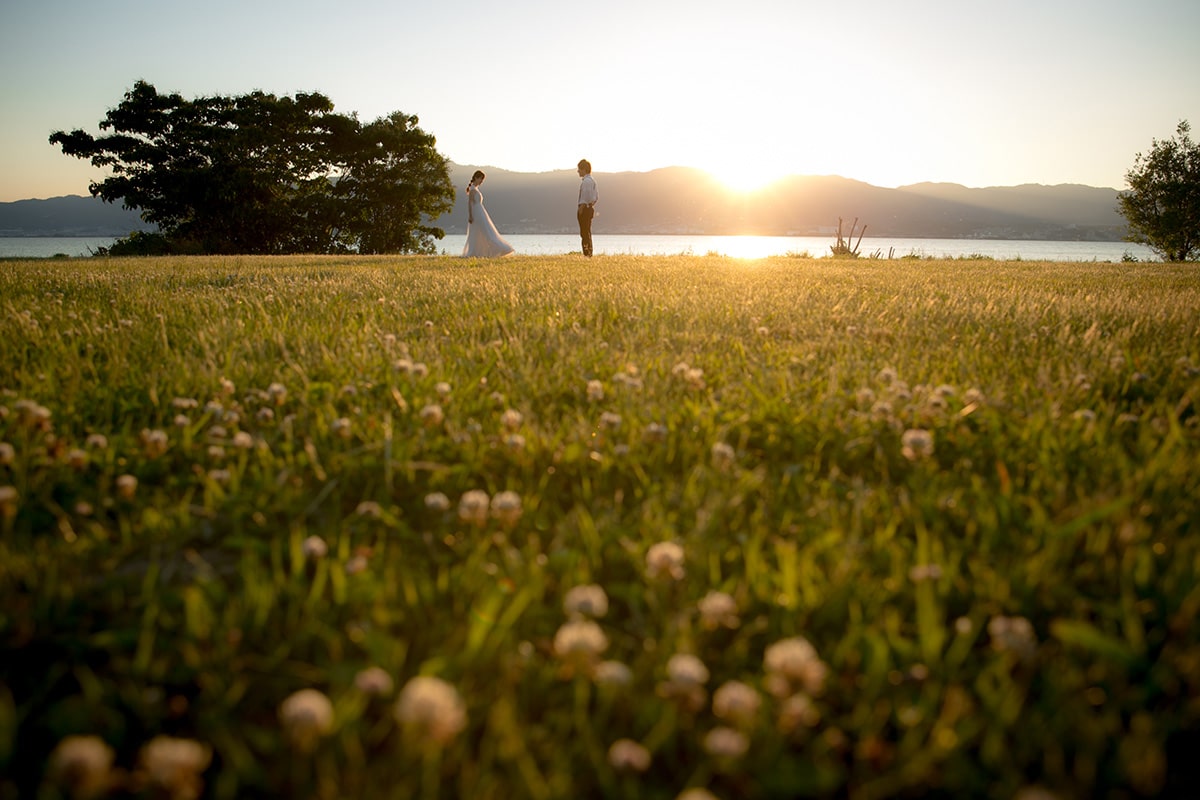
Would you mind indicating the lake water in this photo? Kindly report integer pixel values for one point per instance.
(733, 246)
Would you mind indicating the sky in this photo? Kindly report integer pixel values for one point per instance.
(889, 92)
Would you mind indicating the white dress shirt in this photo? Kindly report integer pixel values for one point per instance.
(588, 196)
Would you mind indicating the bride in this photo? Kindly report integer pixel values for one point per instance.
(483, 240)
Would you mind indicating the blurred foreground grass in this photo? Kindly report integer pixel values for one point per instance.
(624, 527)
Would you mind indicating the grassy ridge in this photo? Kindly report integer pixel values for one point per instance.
(844, 527)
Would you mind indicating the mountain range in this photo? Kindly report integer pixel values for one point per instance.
(683, 200)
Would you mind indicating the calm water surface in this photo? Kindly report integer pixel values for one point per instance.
(733, 246)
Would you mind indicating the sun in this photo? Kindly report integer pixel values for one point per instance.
(745, 173)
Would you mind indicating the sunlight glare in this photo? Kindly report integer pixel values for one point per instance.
(746, 174)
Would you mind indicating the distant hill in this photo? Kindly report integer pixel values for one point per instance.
(682, 200)
(68, 216)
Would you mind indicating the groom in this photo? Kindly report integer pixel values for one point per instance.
(588, 196)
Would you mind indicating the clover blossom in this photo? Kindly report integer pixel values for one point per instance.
(586, 601)
(665, 560)
(81, 765)
(431, 709)
(793, 664)
(718, 610)
(473, 507)
(307, 716)
(172, 767)
(626, 755)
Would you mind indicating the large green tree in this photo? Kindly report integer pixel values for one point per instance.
(1162, 204)
(264, 174)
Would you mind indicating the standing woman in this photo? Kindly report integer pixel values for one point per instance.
(483, 240)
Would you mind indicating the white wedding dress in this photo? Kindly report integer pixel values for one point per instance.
(483, 240)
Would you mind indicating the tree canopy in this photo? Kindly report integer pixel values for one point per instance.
(260, 174)
(1162, 205)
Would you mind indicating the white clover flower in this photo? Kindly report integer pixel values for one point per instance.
(436, 501)
(341, 428)
(227, 386)
(511, 419)
(916, 444)
(443, 390)
(173, 766)
(612, 673)
(8, 453)
(314, 547)
(886, 376)
(694, 378)
(794, 663)
(514, 442)
(626, 755)
(610, 421)
(184, 403)
(370, 509)
(473, 507)
(265, 414)
(685, 669)
(154, 442)
(97, 441)
(665, 560)
(864, 398)
(595, 391)
(181, 421)
(432, 415)
(655, 432)
(8, 501)
(580, 640)
(33, 415)
(307, 716)
(736, 702)
(1013, 634)
(718, 610)
(420, 369)
(126, 486)
(357, 564)
(506, 507)
(277, 393)
(974, 396)
(243, 440)
(432, 709)
(924, 572)
(82, 766)
(374, 682)
(723, 456)
(796, 711)
(696, 793)
(629, 379)
(77, 458)
(725, 742)
(219, 476)
(586, 601)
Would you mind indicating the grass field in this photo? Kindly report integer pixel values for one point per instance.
(624, 527)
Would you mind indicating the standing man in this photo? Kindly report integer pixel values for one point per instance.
(588, 196)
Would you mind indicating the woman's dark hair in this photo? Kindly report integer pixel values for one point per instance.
(475, 178)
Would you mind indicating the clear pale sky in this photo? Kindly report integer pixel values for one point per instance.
(891, 92)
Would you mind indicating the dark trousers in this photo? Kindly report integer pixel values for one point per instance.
(585, 215)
